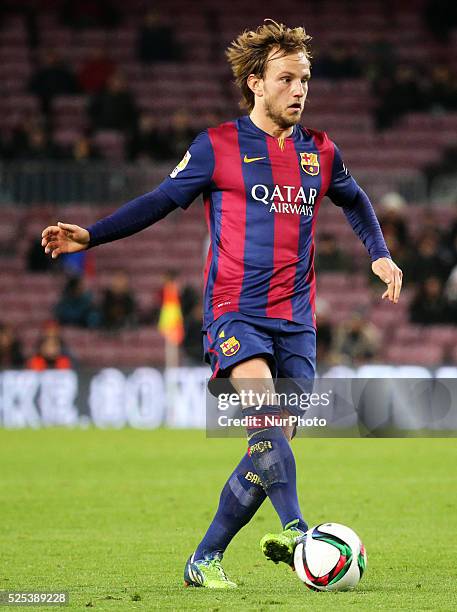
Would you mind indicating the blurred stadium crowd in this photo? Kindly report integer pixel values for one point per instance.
(93, 83)
(59, 61)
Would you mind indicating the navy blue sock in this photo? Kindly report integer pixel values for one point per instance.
(274, 462)
(240, 499)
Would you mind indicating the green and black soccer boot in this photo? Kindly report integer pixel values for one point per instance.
(280, 546)
(207, 573)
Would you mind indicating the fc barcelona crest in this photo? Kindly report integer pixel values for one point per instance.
(230, 346)
(310, 163)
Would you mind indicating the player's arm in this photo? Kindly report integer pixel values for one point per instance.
(345, 192)
(183, 185)
(129, 219)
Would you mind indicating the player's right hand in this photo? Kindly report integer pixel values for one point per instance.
(64, 238)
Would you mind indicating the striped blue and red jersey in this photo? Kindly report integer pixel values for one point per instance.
(262, 197)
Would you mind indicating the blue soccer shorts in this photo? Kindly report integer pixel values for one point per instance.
(288, 347)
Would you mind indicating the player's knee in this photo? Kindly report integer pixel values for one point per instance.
(252, 380)
(256, 368)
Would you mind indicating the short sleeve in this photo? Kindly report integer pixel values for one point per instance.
(343, 188)
(193, 173)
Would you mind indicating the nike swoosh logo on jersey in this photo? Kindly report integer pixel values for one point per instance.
(248, 160)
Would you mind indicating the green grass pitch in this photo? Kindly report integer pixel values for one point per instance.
(111, 516)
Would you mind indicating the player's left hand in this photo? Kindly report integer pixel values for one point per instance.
(389, 273)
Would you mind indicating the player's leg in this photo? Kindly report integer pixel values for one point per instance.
(269, 447)
(295, 352)
(242, 494)
(241, 497)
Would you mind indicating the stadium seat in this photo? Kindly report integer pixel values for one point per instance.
(111, 144)
(408, 334)
(415, 354)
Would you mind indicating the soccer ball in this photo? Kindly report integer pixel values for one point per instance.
(331, 557)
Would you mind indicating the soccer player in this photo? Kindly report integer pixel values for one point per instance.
(263, 178)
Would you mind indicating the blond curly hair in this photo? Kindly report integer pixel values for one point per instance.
(248, 53)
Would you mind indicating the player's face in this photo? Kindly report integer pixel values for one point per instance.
(285, 87)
